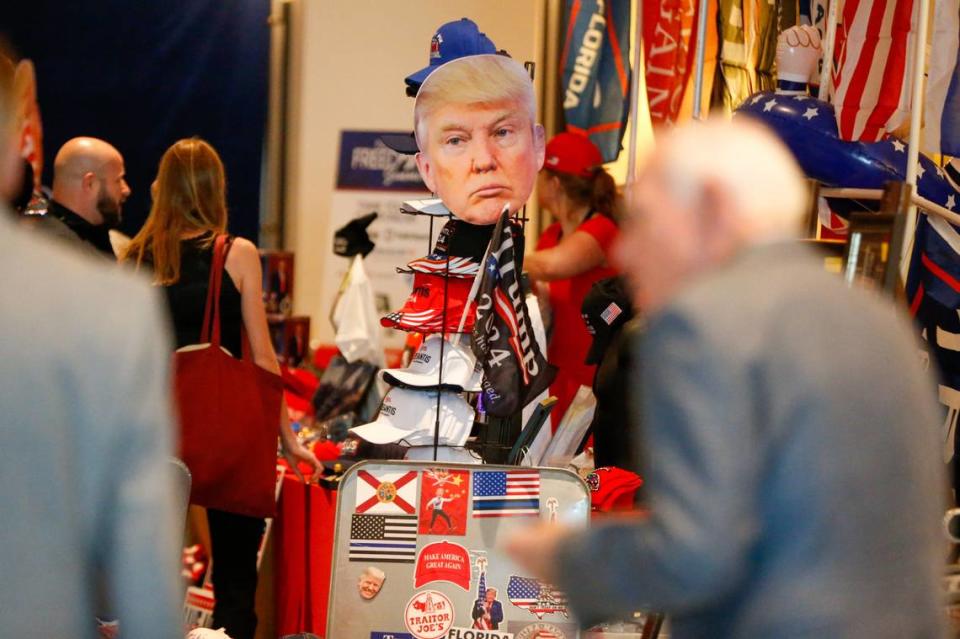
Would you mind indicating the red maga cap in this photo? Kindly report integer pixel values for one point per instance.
(572, 154)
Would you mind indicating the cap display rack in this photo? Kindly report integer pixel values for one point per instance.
(496, 436)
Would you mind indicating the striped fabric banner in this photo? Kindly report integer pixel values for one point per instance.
(873, 57)
(941, 112)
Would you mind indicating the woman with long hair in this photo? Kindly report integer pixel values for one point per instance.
(176, 242)
(572, 253)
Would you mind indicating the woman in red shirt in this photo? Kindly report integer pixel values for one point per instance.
(572, 253)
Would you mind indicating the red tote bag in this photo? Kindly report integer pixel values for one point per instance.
(229, 415)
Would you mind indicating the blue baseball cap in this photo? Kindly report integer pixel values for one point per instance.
(452, 40)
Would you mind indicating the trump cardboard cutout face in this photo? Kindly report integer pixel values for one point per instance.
(481, 147)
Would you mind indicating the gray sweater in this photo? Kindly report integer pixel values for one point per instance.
(793, 469)
(86, 495)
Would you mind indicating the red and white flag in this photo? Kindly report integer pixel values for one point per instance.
(387, 493)
(873, 58)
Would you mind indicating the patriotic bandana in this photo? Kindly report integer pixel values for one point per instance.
(515, 371)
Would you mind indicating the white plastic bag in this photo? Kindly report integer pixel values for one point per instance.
(354, 317)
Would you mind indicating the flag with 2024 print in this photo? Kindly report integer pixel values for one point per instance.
(595, 64)
(515, 371)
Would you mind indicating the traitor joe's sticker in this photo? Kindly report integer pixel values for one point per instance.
(473, 633)
(443, 502)
(429, 615)
(443, 561)
(536, 597)
(387, 492)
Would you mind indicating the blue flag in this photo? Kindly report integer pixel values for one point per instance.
(596, 71)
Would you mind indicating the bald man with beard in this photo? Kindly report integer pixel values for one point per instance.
(89, 189)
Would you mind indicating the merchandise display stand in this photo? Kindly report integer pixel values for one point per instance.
(443, 320)
(497, 435)
(437, 562)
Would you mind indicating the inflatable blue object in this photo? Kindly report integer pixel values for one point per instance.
(808, 127)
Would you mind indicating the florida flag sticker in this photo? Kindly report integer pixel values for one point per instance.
(387, 493)
(443, 502)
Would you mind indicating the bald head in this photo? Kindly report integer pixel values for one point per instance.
(709, 190)
(89, 179)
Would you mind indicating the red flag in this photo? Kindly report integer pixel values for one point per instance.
(443, 502)
(669, 46)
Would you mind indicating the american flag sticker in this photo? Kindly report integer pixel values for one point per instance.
(611, 313)
(536, 597)
(383, 538)
(506, 493)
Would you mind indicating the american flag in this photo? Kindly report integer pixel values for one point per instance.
(384, 538)
(535, 596)
(611, 313)
(504, 493)
(871, 85)
(436, 264)
(429, 321)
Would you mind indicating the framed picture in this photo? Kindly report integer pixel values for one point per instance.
(291, 339)
(277, 282)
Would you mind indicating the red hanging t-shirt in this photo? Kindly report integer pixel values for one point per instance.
(569, 340)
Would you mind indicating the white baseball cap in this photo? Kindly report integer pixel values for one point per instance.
(411, 416)
(461, 371)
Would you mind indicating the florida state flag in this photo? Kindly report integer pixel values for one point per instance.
(596, 72)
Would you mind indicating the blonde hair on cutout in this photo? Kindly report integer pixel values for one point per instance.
(374, 572)
(475, 79)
